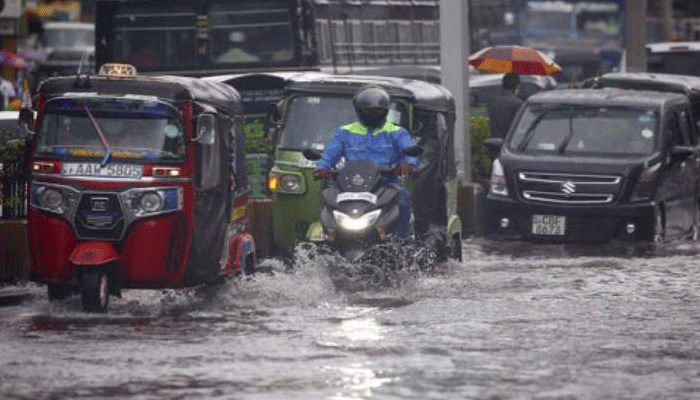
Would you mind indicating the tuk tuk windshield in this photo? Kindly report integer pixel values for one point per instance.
(133, 127)
(590, 130)
(312, 120)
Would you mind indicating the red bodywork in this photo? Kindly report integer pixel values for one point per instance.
(153, 252)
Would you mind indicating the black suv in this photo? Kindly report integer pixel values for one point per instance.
(596, 164)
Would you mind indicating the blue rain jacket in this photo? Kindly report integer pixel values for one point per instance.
(384, 145)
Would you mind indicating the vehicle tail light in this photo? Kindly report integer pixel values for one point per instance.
(498, 179)
(644, 188)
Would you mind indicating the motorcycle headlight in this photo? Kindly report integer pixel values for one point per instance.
(356, 224)
(151, 202)
(51, 199)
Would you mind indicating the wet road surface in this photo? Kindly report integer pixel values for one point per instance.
(512, 321)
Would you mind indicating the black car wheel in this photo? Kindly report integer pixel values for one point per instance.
(95, 294)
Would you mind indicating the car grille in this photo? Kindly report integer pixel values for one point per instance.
(99, 216)
(576, 189)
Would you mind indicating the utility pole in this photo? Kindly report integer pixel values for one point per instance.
(454, 65)
(636, 34)
(667, 20)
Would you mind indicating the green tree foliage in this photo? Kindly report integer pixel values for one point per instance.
(479, 131)
(15, 169)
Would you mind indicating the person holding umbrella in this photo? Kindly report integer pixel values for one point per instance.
(513, 61)
(503, 105)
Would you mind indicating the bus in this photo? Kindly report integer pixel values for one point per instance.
(208, 37)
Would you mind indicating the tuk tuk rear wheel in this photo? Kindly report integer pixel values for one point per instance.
(95, 295)
(58, 291)
(456, 247)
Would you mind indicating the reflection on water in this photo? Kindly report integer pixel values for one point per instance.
(513, 321)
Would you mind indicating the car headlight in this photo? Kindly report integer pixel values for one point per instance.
(356, 224)
(498, 179)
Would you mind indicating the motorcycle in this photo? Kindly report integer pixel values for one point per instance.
(359, 214)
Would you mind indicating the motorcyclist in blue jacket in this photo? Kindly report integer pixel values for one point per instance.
(373, 138)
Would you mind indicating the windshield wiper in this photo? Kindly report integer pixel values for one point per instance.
(568, 137)
(531, 131)
(105, 144)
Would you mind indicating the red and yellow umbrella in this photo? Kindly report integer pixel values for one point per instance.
(518, 59)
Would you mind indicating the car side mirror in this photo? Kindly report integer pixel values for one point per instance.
(493, 144)
(206, 129)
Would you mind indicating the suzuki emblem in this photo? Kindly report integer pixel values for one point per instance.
(568, 188)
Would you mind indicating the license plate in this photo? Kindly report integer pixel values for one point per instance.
(109, 171)
(362, 196)
(551, 225)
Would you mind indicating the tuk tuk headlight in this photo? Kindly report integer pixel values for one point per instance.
(57, 199)
(51, 199)
(356, 224)
(151, 202)
(290, 183)
(286, 182)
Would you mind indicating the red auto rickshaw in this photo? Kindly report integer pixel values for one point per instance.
(137, 182)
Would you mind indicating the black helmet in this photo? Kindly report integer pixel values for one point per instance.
(371, 105)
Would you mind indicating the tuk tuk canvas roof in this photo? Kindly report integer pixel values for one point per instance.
(426, 95)
(172, 88)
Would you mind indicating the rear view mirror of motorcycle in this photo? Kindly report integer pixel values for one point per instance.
(311, 154)
(413, 151)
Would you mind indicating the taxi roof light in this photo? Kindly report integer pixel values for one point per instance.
(118, 70)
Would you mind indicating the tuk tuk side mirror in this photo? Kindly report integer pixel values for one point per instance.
(26, 119)
(206, 129)
(274, 112)
(311, 154)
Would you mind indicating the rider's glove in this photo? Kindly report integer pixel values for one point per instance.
(404, 169)
(322, 174)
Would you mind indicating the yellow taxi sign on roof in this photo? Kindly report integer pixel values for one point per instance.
(117, 70)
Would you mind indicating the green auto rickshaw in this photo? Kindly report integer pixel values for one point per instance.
(314, 105)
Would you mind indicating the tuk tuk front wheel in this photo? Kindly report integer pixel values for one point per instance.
(95, 294)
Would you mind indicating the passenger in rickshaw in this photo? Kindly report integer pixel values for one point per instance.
(373, 138)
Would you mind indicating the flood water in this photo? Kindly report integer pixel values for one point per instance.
(512, 321)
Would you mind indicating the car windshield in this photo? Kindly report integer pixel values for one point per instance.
(674, 62)
(138, 129)
(69, 38)
(311, 120)
(590, 130)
